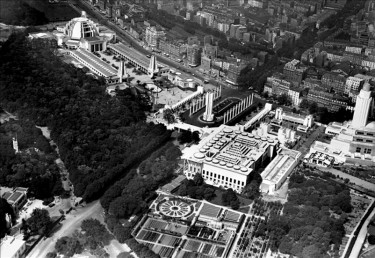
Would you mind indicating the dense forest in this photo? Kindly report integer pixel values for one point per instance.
(132, 194)
(33, 166)
(99, 137)
(19, 12)
(5, 209)
(312, 218)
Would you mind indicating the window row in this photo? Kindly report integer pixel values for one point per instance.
(214, 176)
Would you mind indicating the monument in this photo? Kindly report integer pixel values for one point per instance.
(120, 72)
(362, 107)
(207, 115)
(153, 66)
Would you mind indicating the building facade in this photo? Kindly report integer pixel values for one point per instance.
(227, 157)
(193, 53)
(153, 35)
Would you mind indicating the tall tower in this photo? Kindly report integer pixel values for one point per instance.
(153, 67)
(362, 107)
(120, 71)
(208, 116)
(15, 145)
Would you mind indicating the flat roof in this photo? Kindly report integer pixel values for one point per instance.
(142, 60)
(96, 62)
(15, 196)
(229, 148)
(11, 245)
(280, 165)
(6, 195)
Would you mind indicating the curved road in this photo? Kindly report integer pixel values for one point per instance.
(361, 237)
(69, 225)
(72, 222)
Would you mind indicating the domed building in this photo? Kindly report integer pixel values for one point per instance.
(83, 33)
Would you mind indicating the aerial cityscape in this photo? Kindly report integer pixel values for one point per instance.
(187, 128)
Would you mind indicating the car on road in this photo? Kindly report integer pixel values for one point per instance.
(149, 56)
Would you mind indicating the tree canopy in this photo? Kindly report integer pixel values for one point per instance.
(39, 221)
(308, 227)
(68, 246)
(105, 135)
(5, 209)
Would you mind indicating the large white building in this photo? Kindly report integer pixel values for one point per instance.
(279, 169)
(353, 83)
(227, 156)
(12, 247)
(353, 141)
(82, 32)
(303, 122)
(153, 36)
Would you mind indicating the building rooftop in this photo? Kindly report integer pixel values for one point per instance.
(6, 195)
(229, 148)
(14, 197)
(280, 165)
(131, 54)
(10, 246)
(96, 62)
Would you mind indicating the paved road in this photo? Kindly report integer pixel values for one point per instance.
(93, 12)
(361, 237)
(355, 180)
(71, 223)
